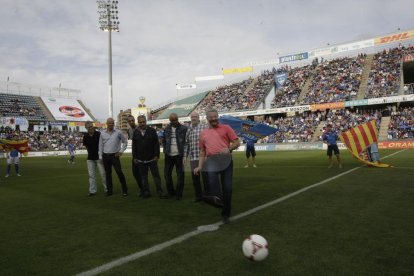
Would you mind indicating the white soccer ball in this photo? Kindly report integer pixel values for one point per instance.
(255, 248)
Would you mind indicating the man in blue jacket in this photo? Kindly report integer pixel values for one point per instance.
(173, 144)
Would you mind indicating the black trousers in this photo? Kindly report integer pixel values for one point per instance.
(109, 160)
(220, 178)
(137, 176)
(170, 162)
(198, 191)
(143, 169)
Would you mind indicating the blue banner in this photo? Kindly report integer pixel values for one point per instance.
(248, 130)
(280, 79)
(294, 57)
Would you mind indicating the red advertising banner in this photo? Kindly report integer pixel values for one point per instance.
(408, 57)
(394, 37)
(409, 144)
(324, 106)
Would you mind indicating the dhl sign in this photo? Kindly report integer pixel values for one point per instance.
(395, 37)
(396, 145)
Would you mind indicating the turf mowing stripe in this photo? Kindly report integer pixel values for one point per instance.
(179, 239)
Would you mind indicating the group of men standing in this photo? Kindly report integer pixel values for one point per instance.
(207, 147)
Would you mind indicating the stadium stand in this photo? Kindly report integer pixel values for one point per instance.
(344, 119)
(298, 128)
(44, 141)
(255, 96)
(183, 107)
(401, 125)
(288, 94)
(157, 111)
(21, 105)
(341, 79)
(336, 80)
(225, 98)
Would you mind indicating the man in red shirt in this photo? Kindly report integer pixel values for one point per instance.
(216, 144)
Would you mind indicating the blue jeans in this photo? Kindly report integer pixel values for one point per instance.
(217, 173)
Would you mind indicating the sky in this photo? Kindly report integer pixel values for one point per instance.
(165, 42)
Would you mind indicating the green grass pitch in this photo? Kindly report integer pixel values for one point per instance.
(358, 224)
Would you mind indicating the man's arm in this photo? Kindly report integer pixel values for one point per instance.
(84, 141)
(234, 140)
(124, 143)
(156, 145)
(163, 140)
(100, 150)
(134, 146)
(324, 139)
(234, 144)
(201, 161)
(186, 146)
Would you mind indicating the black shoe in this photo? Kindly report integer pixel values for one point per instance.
(218, 201)
(213, 200)
(91, 194)
(140, 195)
(226, 220)
(165, 196)
(109, 193)
(124, 194)
(178, 197)
(195, 200)
(144, 196)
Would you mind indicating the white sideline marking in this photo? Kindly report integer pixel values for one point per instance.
(179, 239)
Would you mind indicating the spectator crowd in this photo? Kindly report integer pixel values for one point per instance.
(336, 80)
(401, 125)
(44, 141)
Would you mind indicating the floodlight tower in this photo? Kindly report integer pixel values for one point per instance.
(108, 19)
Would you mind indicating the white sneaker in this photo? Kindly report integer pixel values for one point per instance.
(246, 166)
(7, 175)
(19, 174)
(254, 166)
(68, 162)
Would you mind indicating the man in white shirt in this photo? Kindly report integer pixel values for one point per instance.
(112, 143)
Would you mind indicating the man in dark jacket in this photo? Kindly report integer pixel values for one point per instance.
(173, 143)
(145, 153)
(135, 167)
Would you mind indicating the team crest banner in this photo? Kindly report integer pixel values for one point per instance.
(280, 79)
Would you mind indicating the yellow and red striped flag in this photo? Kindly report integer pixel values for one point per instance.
(21, 145)
(359, 138)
